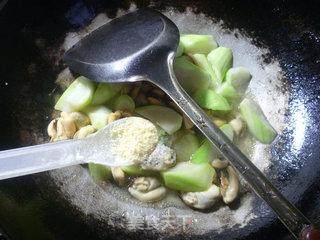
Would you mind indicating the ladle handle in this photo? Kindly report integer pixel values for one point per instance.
(291, 217)
(38, 158)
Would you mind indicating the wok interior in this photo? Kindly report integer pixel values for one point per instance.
(27, 100)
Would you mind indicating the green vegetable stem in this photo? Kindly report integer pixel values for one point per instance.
(256, 121)
(76, 96)
(221, 60)
(197, 43)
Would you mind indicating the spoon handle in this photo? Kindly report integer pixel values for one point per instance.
(38, 158)
(291, 217)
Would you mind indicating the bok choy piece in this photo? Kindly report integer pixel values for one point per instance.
(256, 121)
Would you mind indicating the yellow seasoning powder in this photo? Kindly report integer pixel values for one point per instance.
(134, 140)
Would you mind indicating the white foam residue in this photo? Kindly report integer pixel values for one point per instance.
(73, 37)
(244, 213)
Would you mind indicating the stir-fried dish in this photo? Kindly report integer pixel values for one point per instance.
(182, 160)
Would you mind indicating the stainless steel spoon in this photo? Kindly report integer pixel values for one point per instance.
(141, 46)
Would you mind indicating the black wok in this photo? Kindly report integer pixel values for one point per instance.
(66, 204)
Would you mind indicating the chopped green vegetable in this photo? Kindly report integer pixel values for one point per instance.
(256, 121)
(221, 60)
(168, 119)
(185, 145)
(239, 77)
(235, 84)
(76, 96)
(134, 170)
(98, 115)
(190, 76)
(193, 43)
(227, 91)
(211, 100)
(124, 102)
(207, 151)
(202, 61)
(104, 92)
(189, 177)
(99, 172)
